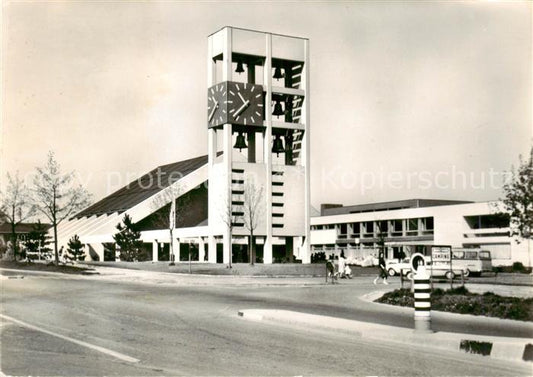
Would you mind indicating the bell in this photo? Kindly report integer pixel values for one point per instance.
(240, 68)
(288, 142)
(277, 73)
(278, 111)
(277, 147)
(240, 143)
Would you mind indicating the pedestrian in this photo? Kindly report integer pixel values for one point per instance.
(382, 269)
(348, 272)
(330, 268)
(342, 265)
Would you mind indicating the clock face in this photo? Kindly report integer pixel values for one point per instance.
(245, 104)
(217, 105)
(235, 103)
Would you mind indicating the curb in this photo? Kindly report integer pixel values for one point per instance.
(50, 273)
(6, 277)
(170, 278)
(372, 296)
(502, 348)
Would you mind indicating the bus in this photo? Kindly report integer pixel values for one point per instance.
(472, 261)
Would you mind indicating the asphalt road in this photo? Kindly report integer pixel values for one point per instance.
(189, 330)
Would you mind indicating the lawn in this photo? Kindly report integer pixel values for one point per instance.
(50, 267)
(460, 300)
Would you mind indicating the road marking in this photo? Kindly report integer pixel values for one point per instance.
(118, 355)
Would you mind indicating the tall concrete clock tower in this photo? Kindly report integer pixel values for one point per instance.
(258, 130)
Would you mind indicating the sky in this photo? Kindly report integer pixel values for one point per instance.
(408, 99)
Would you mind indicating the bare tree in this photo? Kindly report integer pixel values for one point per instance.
(16, 207)
(230, 218)
(56, 196)
(252, 211)
(168, 211)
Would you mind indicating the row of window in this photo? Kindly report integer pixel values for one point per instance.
(395, 227)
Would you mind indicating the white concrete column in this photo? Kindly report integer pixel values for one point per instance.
(177, 250)
(155, 251)
(227, 248)
(212, 249)
(227, 185)
(201, 249)
(306, 143)
(227, 73)
(267, 150)
(212, 154)
(117, 253)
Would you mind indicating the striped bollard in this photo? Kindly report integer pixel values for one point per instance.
(422, 300)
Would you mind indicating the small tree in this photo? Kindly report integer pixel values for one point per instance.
(230, 218)
(37, 241)
(57, 197)
(75, 250)
(252, 211)
(128, 239)
(518, 200)
(16, 207)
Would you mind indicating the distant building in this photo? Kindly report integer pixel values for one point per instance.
(22, 230)
(96, 224)
(406, 224)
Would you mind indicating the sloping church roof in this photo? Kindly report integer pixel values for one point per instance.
(143, 188)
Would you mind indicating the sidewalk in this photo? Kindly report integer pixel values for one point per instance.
(186, 279)
(238, 269)
(515, 286)
(513, 349)
(169, 278)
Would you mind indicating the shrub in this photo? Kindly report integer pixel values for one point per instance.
(400, 297)
(75, 250)
(458, 291)
(460, 300)
(517, 267)
(318, 257)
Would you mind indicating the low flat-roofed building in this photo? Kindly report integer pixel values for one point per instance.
(407, 225)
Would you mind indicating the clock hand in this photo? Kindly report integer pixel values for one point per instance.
(212, 112)
(242, 98)
(241, 109)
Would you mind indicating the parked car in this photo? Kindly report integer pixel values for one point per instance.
(472, 261)
(395, 267)
(442, 270)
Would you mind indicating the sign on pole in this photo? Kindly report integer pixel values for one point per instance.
(442, 256)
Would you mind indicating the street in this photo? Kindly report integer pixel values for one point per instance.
(195, 330)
